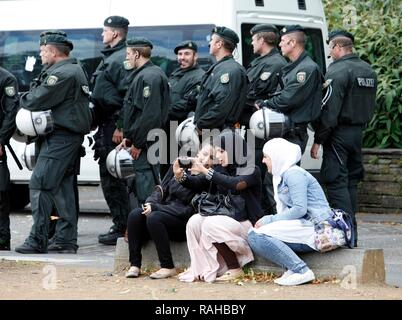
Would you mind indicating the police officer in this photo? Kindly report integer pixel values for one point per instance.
(110, 86)
(185, 81)
(184, 85)
(63, 89)
(263, 75)
(301, 95)
(224, 85)
(145, 108)
(9, 106)
(339, 129)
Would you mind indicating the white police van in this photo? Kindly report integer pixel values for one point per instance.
(165, 23)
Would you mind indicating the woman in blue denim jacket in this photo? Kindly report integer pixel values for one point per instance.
(301, 203)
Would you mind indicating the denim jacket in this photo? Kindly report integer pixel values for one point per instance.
(303, 197)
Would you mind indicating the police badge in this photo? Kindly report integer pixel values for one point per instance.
(265, 75)
(225, 78)
(10, 91)
(301, 77)
(51, 81)
(146, 92)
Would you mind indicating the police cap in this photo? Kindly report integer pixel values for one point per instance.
(226, 33)
(139, 42)
(292, 28)
(186, 45)
(340, 33)
(116, 22)
(263, 28)
(55, 37)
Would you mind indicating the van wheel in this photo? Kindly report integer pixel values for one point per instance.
(19, 196)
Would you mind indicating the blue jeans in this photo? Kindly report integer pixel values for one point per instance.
(279, 252)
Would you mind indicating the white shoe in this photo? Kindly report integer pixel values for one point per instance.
(163, 273)
(297, 278)
(231, 275)
(284, 276)
(133, 272)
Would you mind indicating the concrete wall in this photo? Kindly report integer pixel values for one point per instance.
(381, 189)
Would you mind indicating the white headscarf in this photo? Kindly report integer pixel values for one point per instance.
(284, 155)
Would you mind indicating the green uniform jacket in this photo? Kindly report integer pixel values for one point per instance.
(184, 87)
(352, 103)
(301, 95)
(62, 88)
(222, 96)
(263, 75)
(146, 103)
(9, 105)
(110, 82)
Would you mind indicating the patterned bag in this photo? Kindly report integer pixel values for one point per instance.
(334, 232)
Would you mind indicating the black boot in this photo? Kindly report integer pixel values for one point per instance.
(4, 245)
(110, 238)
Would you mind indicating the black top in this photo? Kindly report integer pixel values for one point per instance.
(352, 103)
(9, 105)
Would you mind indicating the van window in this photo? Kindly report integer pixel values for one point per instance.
(314, 45)
(166, 38)
(17, 46)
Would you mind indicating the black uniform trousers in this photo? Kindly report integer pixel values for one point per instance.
(4, 202)
(342, 169)
(159, 226)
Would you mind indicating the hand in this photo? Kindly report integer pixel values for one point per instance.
(198, 167)
(258, 104)
(117, 136)
(314, 151)
(176, 169)
(135, 153)
(264, 220)
(146, 209)
(125, 143)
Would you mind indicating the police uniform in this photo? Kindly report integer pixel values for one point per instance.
(184, 87)
(110, 86)
(9, 106)
(300, 98)
(263, 75)
(223, 90)
(145, 108)
(339, 130)
(62, 88)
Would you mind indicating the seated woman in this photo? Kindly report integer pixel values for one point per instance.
(163, 217)
(217, 244)
(301, 203)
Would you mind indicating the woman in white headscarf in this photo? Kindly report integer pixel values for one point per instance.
(301, 203)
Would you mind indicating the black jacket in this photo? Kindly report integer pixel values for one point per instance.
(171, 197)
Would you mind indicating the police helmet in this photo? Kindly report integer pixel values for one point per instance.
(266, 124)
(119, 163)
(186, 134)
(34, 123)
(28, 156)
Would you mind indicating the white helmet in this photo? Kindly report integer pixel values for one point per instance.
(28, 156)
(266, 124)
(20, 137)
(34, 123)
(186, 134)
(119, 163)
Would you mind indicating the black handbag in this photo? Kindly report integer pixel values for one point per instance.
(207, 204)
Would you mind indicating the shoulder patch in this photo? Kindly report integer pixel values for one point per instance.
(146, 92)
(10, 91)
(301, 77)
(52, 80)
(366, 82)
(85, 89)
(265, 75)
(127, 65)
(225, 78)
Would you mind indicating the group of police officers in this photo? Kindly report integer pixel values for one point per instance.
(131, 96)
